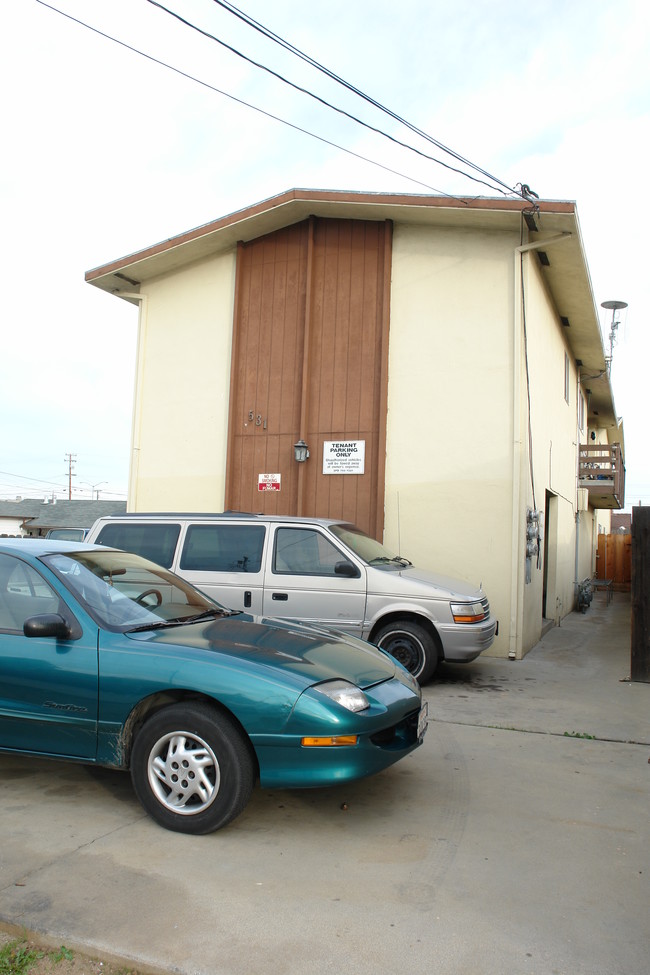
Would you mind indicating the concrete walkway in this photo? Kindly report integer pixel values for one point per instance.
(516, 841)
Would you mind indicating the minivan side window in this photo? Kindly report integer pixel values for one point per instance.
(301, 551)
(154, 542)
(223, 548)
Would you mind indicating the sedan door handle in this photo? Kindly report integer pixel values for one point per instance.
(281, 596)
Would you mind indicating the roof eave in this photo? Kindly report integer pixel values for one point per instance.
(566, 272)
(127, 273)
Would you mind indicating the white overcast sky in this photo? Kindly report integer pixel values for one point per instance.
(105, 152)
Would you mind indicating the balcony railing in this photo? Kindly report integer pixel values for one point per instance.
(602, 472)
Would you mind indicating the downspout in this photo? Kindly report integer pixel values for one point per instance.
(136, 421)
(516, 568)
(578, 512)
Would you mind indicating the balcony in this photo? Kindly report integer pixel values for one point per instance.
(602, 473)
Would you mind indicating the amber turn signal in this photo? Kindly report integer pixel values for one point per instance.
(330, 740)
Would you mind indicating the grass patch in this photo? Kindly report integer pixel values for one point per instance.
(579, 734)
(16, 958)
(26, 956)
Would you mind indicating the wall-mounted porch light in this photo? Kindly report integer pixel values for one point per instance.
(300, 451)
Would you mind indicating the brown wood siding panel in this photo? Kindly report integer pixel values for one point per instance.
(345, 369)
(384, 274)
(268, 375)
(317, 372)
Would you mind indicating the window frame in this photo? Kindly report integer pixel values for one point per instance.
(321, 537)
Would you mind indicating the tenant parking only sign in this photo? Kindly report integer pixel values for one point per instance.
(344, 456)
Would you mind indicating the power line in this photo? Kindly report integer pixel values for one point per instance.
(335, 108)
(26, 484)
(270, 35)
(239, 101)
(37, 480)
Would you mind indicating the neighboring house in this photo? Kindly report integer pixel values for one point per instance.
(621, 522)
(454, 343)
(35, 518)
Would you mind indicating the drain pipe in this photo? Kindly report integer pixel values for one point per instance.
(136, 419)
(516, 566)
(578, 512)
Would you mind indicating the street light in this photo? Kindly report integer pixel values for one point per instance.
(92, 488)
(612, 306)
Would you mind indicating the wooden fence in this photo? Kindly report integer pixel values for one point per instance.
(614, 560)
(640, 661)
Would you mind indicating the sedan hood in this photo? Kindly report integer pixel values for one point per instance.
(310, 653)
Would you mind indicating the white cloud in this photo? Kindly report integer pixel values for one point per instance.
(106, 152)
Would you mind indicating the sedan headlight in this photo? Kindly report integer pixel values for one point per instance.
(468, 612)
(344, 693)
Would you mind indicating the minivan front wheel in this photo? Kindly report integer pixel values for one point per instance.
(411, 645)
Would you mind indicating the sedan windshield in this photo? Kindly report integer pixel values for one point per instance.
(369, 549)
(123, 591)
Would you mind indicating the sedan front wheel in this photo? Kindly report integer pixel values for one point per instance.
(192, 768)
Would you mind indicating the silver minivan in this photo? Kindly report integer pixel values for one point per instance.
(315, 570)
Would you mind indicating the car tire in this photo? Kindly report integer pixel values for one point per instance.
(414, 647)
(192, 768)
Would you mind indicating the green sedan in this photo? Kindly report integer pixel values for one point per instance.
(106, 658)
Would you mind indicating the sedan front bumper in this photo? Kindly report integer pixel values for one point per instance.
(392, 727)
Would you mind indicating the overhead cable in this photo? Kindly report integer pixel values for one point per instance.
(342, 111)
(270, 35)
(239, 101)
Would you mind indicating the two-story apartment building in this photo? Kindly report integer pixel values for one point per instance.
(440, 359)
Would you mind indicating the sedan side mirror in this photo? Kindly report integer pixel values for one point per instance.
(48, 624)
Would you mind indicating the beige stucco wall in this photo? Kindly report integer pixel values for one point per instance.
(449, 432)
(554, 435)
(458, 476)
(183, 378)
(458, 480)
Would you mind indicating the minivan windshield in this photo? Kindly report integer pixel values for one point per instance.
(369, 549)
(123, 592)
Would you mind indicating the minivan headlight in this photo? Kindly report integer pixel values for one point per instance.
(468, 612)
(344, 693)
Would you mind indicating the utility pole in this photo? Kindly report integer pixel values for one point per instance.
(70, 459)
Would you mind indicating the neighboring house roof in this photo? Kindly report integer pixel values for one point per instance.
(555, 224)
(43, 515)
(621, 521)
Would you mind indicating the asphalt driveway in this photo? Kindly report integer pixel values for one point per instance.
(515, 841)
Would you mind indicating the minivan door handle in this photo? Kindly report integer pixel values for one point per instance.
(248, 598)
(281, 596)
